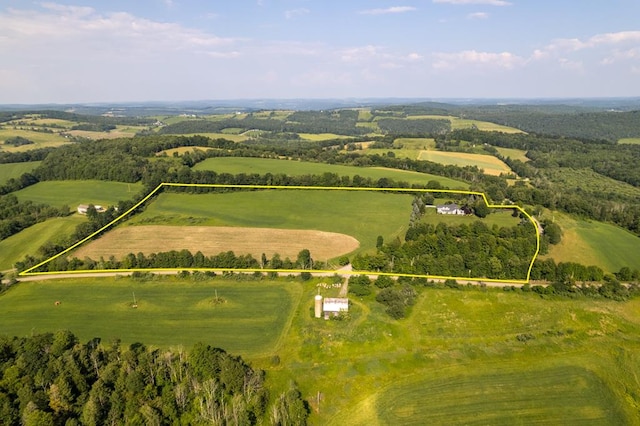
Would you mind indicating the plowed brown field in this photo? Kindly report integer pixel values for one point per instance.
(211, 240)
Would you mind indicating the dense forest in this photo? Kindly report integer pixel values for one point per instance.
(54, 379)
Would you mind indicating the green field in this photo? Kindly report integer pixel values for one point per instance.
(227, 136)
(630, 140)
(74, 192)
(515, 154)
(235, 165)
(490, 164)
(595, 243)
(363, 215)
(321, 136)
(15, 170)
(40, 139)
(462, 123)
(499, 217)
(169, 312)
(27, 241)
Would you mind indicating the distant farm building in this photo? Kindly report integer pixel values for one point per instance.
(450, 209)
(332, 306)
(82, 209)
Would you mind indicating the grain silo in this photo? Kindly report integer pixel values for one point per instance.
(318, 309)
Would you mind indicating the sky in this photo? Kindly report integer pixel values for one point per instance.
(82, 51)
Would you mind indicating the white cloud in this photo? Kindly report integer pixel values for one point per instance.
(295, 13)
(456, 60)
(487, 2)
(389, 10)
(478, 15)
(598, 40)
(571, 65)
(414, 56)
(622, 55)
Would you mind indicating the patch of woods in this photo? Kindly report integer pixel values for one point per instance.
(54, 379)
(16, 215)
(397, 298)
(18, 141)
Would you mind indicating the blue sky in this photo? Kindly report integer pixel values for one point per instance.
(166, 50)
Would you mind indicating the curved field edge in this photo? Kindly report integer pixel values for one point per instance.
(313, 188)
(251, 320)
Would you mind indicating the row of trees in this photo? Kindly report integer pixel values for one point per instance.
(17, 215)
(53, 379)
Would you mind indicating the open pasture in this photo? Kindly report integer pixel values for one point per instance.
(27, 241)
(515, 154)
(119, 132)
(362, 215)
(316, 137)
(595, 243)
(212, 240)
(39, 139)
(170, 312)
(74, 192)
(181, 150)
(463, 123)
(634, 141)
(15, 170)
(235, 165)
(490, 164)
(228, 136)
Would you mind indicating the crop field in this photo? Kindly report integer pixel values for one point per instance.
(119, 132)
(74, 192)
(321, 136)
(515, 154)
(212, 240)
(27, 241)
(461, 123)
(490, 164)
(629, 141)
(595, 243)
(235, 165)
(362, 215)
(170, 312)
(15, 170)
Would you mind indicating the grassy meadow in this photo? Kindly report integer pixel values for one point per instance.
(39, 139)
(235, 165)
(362, 215)
(27, 241)
(629, 140)
(74, 192)
(595, 243)
(463, 123)
(499, 217)
(15, 170)
(490, 164)
(515, 154)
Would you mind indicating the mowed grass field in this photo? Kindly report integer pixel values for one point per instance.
(27, 241)
(595, 243)
(235, 165)
(15, 170)
(490, 164)
(361, 214)
(212, 240)
(170, 312)
(74, 192)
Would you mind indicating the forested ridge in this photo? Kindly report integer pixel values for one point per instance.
(54, 379)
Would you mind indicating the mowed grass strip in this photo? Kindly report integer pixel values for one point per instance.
(27, 241)
(235, 165)
(212, 240)
(74, 192)
(560, 395)
(170, 312)
(361, 214)
(595, 243)
(15, 170)
(490, 164)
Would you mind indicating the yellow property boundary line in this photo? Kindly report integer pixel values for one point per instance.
(324, 188)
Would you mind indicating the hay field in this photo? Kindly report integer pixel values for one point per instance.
(15, 170)
(74, 192)
(182, 149)
(322, 136)
(40, 139)
(515, 154)
(463, 123)
(212, 240)
(635, 141)
(490, 164)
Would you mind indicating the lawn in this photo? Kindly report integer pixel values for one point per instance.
(490, 164)
(595, 243)
(499, 217)
(74, 192)
(235, 165)
(15, 170)
(170, 311)
(363, 215)
(27, 241)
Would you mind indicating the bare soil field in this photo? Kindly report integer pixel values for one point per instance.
(211, 240)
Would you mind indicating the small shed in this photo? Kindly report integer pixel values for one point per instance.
(334, 305)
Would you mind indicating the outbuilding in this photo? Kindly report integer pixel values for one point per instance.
(334, 306)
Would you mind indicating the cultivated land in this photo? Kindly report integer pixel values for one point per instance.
(490, 164)
(118, 132)
(212, 240)
(27, 241)
(169, 313)
(455, 359)
(74, 192)
(405, 147)
(15, 170)
(595, 243)
(261, 166)
(362, 215)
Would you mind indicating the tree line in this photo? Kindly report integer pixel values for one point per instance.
(54, 379)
